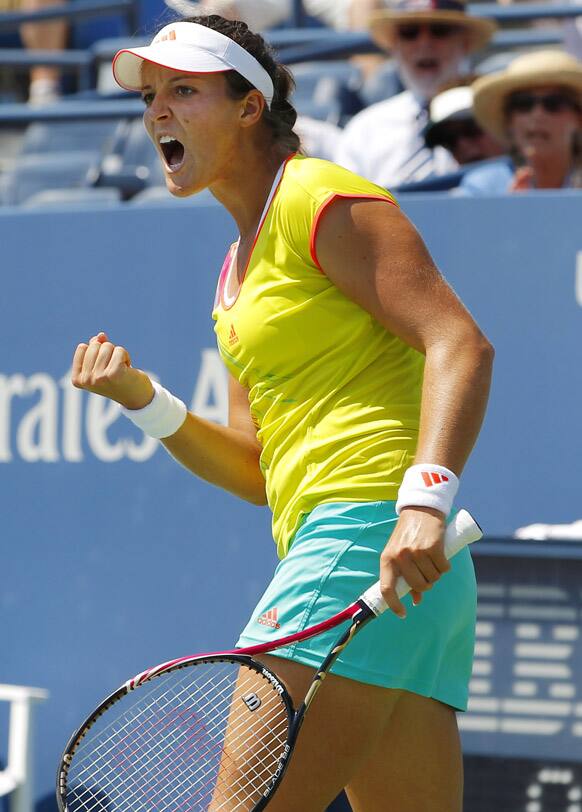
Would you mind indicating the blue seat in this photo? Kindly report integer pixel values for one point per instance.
(35, 173)
(382, 84)
(66, 136)
(325, 89)
(103, 52)
(133, 163)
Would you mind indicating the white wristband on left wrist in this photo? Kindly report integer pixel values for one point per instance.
(428, 485)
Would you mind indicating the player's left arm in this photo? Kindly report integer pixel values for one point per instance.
(375, 256)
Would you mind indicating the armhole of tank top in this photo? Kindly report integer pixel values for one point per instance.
(322, 208)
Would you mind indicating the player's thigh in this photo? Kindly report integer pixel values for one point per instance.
(239, 749)
(417, 766)
(342, 728)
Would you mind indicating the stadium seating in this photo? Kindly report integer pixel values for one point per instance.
(88, 198)
(35, 173)
(382, 84)
(65, 136)
(327, 90)
(132, 163)
(103, 52)
(109, 149)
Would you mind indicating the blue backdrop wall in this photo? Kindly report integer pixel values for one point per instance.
(111, 553)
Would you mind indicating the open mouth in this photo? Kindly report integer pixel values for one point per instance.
(427, 63)
(537, 136)
(173, 151)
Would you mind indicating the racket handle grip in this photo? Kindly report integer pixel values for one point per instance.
(461, 531)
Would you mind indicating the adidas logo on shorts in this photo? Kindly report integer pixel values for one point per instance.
(269, 618)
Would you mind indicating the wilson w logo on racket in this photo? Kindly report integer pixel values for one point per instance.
(205, 733)
(252, 702)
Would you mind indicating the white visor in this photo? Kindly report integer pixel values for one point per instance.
(191, 48)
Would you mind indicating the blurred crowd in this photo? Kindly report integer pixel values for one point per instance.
(510, 130)
(505, 126)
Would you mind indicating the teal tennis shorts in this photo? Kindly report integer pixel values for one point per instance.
(334, 557)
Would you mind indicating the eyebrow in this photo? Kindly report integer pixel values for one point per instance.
(179, 78)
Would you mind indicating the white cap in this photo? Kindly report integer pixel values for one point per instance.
(457, 102)
(191, 48)
(450, 105)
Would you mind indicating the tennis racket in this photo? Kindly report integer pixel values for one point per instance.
(206, 733)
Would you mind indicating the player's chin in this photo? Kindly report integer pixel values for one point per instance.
(182, 188)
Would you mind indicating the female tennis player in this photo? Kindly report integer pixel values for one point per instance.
(358, 384)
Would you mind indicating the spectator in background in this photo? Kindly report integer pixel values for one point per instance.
(452, 125)
(319, 139)
(429, 40)
(535, 107)
(261, 14)
(44, 87)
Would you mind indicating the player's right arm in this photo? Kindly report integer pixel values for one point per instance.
(227, 456)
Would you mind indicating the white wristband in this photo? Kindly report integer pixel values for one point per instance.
(428, 485)
(163, 415)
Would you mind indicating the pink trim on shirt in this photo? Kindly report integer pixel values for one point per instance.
(223, 274)
(274, 192)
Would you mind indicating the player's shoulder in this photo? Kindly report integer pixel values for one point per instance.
(319, 181)
(319, 178)
(306, 171)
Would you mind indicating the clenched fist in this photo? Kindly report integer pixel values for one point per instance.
(105, 369)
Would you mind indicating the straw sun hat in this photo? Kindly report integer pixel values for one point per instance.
(529, 70)
(383, 23)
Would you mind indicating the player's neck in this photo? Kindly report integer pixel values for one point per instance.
(246, 190)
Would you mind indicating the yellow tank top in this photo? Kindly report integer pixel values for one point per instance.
(334, 395)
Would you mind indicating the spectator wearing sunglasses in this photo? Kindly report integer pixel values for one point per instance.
(535, 107)
(429, 40)
(452, 125)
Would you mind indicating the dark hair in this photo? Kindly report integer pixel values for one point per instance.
(282, 116)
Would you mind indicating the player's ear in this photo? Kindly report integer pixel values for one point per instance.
(252, 108)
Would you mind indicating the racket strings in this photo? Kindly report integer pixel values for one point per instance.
(171, 758)
(233, 753)
(136, 738)
(132, 712)
(143, 737)
(234, 756)
(258, 774)
(140, 750)
(190, 743)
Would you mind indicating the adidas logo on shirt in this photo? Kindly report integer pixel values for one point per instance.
(269, 618)
(232, 336)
